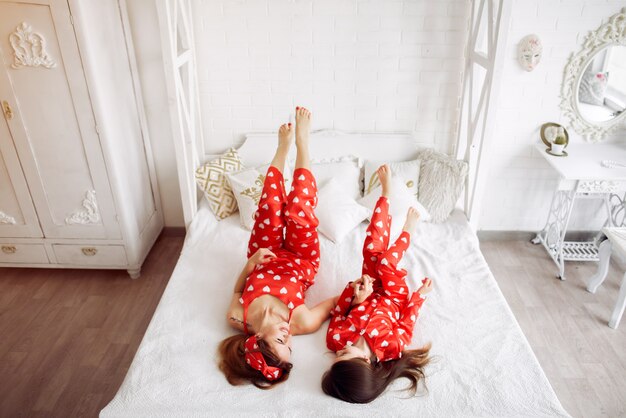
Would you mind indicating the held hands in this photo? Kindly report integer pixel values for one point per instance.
(362, 289)
(261, 256)
(427, 286)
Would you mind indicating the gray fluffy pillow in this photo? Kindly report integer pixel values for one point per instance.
(441, 182)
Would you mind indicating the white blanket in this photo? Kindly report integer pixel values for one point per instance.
(484, 366)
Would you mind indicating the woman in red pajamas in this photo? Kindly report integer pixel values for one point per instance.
(283, 258)
(372, 324)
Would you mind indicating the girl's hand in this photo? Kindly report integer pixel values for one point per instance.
(427, 286)
(261, 256)
(362, 289)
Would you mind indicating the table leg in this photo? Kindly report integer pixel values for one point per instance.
(553, 234)
(604, 252)
(618, 311)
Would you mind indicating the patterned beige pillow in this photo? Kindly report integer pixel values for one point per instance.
(211, 178)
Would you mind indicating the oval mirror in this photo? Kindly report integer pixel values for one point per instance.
(593, 93)
(601, 93)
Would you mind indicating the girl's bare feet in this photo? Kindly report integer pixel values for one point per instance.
(285, 137)
(303, 126)
(384, 176)
(412, 216)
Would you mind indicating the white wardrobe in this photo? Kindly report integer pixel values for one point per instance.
(77, 184)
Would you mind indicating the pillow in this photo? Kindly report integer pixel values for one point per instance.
(210, 177)
(441, 182)
(346, 170)
(593, 88)
(399, 202)
(247, 186)
(407, 171)
(337, 211)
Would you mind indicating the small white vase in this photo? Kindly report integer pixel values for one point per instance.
(557, 148)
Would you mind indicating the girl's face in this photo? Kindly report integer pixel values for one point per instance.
(350, 352)
(277, 336)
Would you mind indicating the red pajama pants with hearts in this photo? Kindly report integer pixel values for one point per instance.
(286, 225)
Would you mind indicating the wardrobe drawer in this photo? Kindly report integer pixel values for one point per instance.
(91, 255)
(23, 253)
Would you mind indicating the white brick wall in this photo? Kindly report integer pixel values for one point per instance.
(521, 184)
(359, 65)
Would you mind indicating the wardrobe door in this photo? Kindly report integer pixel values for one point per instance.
(53, 125)
(17, 214)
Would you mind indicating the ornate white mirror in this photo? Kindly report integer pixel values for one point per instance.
(593, 95)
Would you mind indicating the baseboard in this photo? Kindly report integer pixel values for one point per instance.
(174, 231)
(527, 236)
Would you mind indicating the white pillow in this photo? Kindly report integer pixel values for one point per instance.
(399, 202)
(407, 171)
(247, 186)
(346, 170)
(337, 211)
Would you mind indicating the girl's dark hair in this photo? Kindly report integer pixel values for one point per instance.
(238, 372)
(357, 381)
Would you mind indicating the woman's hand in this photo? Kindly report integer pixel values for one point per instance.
(362, 289)
(427, 286)
(262, 256)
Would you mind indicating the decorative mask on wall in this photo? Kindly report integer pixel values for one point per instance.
(529, 52)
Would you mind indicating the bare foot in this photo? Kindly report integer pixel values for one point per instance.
(303, 125)
(412, 216)
(384, 176)
(285, 137)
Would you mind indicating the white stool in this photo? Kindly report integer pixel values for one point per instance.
(616, 241)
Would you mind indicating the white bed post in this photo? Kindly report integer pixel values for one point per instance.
(481, 85)
(180, 74)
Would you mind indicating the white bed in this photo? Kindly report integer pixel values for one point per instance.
(484, 365)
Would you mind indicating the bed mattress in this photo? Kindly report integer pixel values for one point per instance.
(483, 364)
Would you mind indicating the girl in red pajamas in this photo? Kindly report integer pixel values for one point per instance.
(283, 258)
(372, 324)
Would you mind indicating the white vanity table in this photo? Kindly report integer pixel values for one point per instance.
(582, 176)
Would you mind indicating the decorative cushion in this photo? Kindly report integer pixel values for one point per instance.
(400, 200)
(346, 170)
(211, 178)
(337, 211)
(407, 171)
(593, 88)
(247, 186)
(441, 182)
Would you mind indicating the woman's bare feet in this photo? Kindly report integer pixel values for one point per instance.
(412, 216)
(303, 126)
(384, 176)
(285, 137)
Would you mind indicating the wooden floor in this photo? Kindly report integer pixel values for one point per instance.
(67, 337)
(584, 359)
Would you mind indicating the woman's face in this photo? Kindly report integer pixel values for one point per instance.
(278, 338)
(350, 352)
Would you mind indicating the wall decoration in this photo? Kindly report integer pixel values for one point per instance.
(29, 48)
(529, 52)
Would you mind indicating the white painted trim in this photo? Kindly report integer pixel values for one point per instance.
(183, 100)
(476, 122)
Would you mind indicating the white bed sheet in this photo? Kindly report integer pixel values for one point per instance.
(484, 365)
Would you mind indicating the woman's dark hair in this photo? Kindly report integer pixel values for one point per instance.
(238, 372)
(357, 381)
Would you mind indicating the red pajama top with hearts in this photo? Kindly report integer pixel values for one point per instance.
(387, 317)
